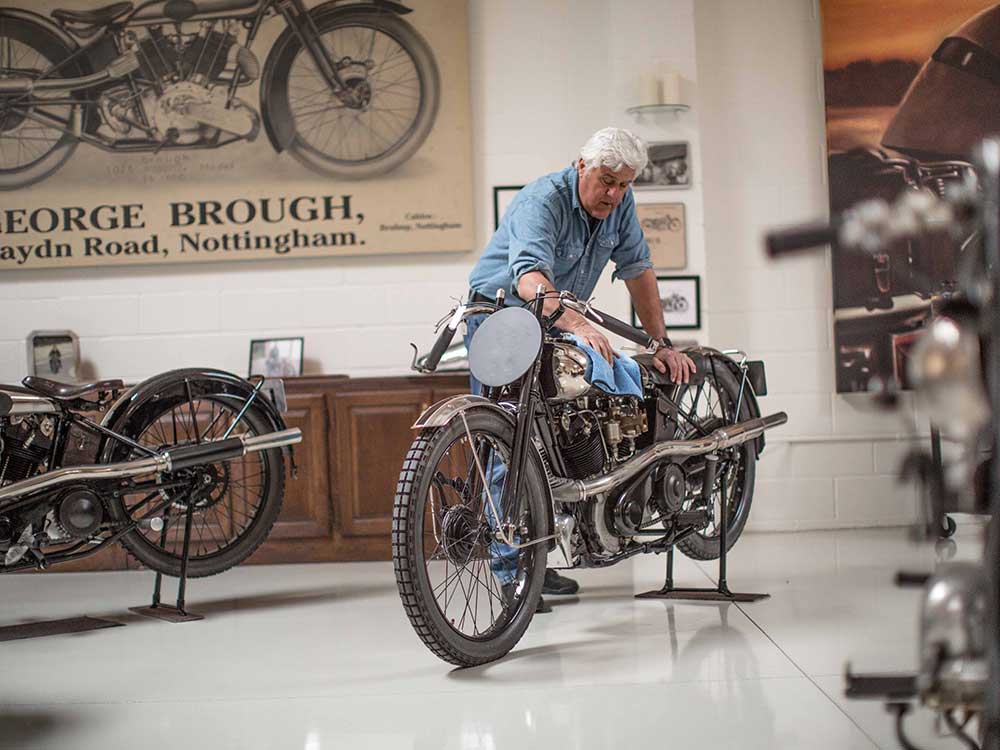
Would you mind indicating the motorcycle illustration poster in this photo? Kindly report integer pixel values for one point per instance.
(886, 121)
(139, 133)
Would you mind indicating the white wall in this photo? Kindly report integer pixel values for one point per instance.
(763, 144)
(545, 74)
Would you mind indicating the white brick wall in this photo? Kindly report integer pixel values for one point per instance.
(763, 160)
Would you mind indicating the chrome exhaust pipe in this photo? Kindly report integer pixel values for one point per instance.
(118, 68)
(576, 491)
(182, 457)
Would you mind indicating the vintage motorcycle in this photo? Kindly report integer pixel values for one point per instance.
(348, 90)
(195, 453)
(544, 458)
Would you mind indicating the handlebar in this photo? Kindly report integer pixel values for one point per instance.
(800, 237)
(620, 327)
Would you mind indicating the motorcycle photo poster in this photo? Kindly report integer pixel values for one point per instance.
(897, 93)
(165, 132)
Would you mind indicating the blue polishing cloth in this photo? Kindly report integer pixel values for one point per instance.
(623, 379)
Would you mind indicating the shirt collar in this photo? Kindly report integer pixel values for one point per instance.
(574, 178)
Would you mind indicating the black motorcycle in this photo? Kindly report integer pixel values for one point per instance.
(348, 90)
(544, 458)
(191, 454)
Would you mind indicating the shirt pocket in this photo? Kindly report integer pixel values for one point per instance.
(608, 240)
(569, 250)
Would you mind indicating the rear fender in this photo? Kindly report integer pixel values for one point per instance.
(716, 358)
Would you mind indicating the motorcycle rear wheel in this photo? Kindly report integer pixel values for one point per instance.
(716, 407)
(229, 522)
(31, 150)
(442, 536)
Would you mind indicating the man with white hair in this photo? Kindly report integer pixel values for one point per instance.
(561, 231)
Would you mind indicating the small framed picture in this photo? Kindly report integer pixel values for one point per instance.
(668, 168)
(680, 297)
(54, 355)
(502, 196)
(276, 358)
(663, 226)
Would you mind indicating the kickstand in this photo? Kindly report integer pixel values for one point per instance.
(165, 611)
(720, 593)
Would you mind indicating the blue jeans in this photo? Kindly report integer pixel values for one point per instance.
(504, 557)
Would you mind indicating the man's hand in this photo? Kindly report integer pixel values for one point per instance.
(593, 338)
(680, 365)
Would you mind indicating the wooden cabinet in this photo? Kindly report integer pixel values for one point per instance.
(356, 433)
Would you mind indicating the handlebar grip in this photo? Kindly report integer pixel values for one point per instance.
(442, 343)
(621, 328)
(800, 237)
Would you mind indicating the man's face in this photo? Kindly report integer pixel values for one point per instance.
(601, 190)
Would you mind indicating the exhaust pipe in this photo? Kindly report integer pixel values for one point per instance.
(118, 68)
(576, 491)
(178, 458)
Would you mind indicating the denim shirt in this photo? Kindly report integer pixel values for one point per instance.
(546, 229)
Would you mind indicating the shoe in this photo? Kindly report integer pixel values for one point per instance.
(507, 591)
(557, 585)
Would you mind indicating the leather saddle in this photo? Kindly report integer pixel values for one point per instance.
(92, 19)
(68, 392)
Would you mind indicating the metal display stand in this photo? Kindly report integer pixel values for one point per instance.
(175, 613)
(721, 592)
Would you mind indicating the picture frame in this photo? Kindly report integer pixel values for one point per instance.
(665, 230)
(502, 197)
(276, 358)
(668, 168)
(54, 355)
(680, 297)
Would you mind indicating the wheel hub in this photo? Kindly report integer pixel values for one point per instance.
(358, 90)
(10, 119)
(461, 532)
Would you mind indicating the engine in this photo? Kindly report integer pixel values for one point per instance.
(184, 81)
(598, 431)
(24, 446)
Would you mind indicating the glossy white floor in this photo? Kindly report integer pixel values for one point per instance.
(321, 656)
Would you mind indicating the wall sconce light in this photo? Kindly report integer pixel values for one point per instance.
(659, 92)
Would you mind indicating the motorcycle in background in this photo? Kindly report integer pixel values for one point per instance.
(349, 90)
(187, 472)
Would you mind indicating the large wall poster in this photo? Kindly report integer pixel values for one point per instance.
(904, 108)
(214, 133)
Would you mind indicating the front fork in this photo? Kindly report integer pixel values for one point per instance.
(301, 22)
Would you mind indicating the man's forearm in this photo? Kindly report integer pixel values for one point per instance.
(527, 286)
(646, 300)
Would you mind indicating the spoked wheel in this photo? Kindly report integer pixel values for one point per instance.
(468, 595)
(234, 503)
(388, 106)
(713, 405)
(36, 130)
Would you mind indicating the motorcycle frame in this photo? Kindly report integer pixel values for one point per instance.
(533, 417)
(66, 417)
(299, 19)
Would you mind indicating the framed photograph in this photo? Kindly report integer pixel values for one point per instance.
(665, 232)
(276, 358)
(669, 168)
(54, 355)
(680, 297)
(502, 196)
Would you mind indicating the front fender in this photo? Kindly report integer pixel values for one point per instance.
(281, 131)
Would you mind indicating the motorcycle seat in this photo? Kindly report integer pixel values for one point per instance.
(95, 17)
(645, 361)
(68, 392)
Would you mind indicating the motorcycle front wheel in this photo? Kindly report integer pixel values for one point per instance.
(389, 68)
(468, 595)
(36, 136)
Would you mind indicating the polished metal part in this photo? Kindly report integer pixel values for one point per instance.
(29, 403)
(139, 467)
(569, 369)
(725, 437)
(565, 525)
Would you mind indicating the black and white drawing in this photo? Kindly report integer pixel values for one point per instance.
(668, 167)
(680, 297)
(349, 91)
(276, 358)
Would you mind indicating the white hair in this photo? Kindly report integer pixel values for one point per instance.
(614, 148)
